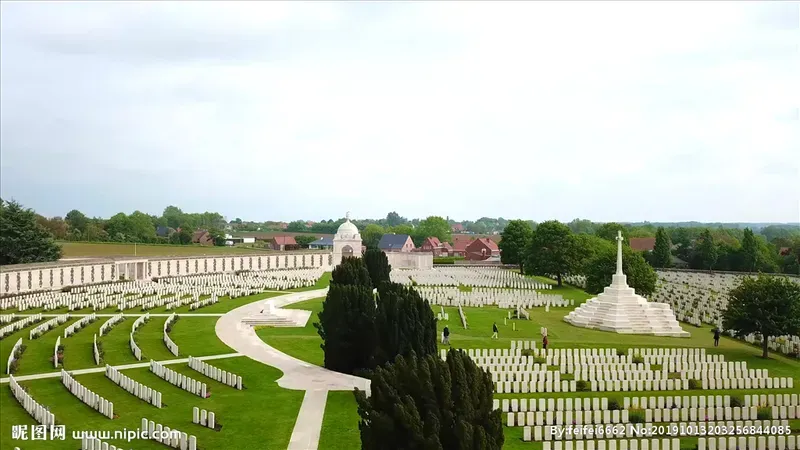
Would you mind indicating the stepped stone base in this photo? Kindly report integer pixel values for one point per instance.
(619, 309)
(269, 320)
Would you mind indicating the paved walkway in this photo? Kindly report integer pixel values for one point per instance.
(57, 373)
(297, 374)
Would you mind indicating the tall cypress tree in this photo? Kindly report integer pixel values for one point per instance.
(352, 271)
(347, 328)
(404, 323)
(428, 403)
(377, 265)
(749, 251)
(661, 257)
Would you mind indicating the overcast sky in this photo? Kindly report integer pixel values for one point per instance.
(624, 111)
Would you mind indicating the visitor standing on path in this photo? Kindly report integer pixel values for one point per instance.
(446, 334)
(544, 342)
(716, 337)
(494, 330)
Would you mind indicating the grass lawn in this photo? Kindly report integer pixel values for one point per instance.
(259, 417)
(116, 344)
(195, 336)
(99, 249)
(340, 423)
(302, 343)
(36, 358)
(323, 282)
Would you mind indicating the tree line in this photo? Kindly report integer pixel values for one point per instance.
(417, 399)
(553, 248)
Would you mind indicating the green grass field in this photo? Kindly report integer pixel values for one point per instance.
(100, 249)
(263, 415)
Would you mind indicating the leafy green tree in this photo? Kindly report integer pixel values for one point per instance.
(662, 255)
(184, 236)
(377, 265)
(393, 219)
(371, 235)
(55, 225)
(120, 227)
(428, 403)
(750, 251)
(515, 240)
(588, 246)
(173, 217)
(706, 250)
(769, 306)
(581, 226)
(404, 323)
(608, 231)
(347, 328)
(142, 227)
(433, 226)
(639, 275)
(402, 229)
(552, 251)
(218, 236)
(22, 239)
(351, 271)
(297, 226)
(304, 239)
(77, 220)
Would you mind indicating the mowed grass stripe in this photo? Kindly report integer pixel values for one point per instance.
(78, 348)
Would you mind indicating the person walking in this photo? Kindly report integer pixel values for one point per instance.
(716, 337)
(446, 334)
(544, 342)
(494, 330)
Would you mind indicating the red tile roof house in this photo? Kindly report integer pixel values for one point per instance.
(280, 242)
(460, 245)
(458, 228)
(481, 249)
(642, 244)
(435, 246)
(202, 237)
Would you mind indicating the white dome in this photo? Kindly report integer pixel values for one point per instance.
(347, 229)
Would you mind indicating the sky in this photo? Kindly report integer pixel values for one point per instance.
(628, 111)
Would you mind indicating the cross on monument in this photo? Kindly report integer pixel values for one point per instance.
(619, 252)
(347, 216)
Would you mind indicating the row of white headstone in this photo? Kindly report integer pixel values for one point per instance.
(95, 401)
(653, 402)
(179, 379)
(18, 325)
(13, 355)
(169, 437)
(78, 324)
(96, 351)
(39, 330)
(7, 318)
(141, 391)
(256, 280)
(463, 316)
(139, 322)
(171, 345)
(55, 352)
(205, 302)
(203, 417)
(113, 320)
(467, 276)
(771, 442)
(215, 373)
(39, 413)
(137, 352)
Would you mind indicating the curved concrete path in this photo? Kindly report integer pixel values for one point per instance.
(297, 374)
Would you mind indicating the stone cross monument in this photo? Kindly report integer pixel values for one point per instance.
(619, 253)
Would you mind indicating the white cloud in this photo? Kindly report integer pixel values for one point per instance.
(515, 109)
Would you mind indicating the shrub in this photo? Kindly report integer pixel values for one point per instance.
(582, 386)
(637, 360)
(636, 416)
(736, 402)
(674, 376)
(527, 352)
(539, 360)
(614, 405)
(695, 384)
(620, 353)
(764, 414)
